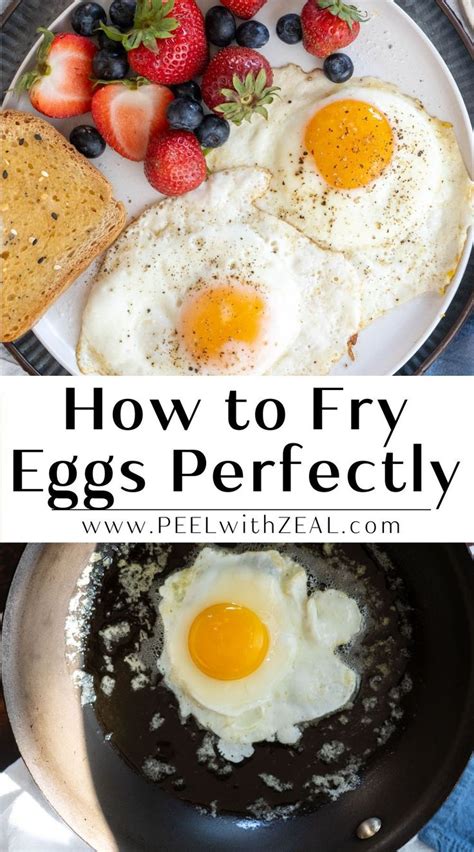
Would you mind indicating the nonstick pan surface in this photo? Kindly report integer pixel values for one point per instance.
(113, 807)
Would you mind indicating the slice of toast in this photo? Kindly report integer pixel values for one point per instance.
(57, 213)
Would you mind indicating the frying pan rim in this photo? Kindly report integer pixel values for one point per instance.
(427, 805)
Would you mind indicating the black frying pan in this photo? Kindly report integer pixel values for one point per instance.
(403, 784)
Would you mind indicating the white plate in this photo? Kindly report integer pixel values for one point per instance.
(390, 46)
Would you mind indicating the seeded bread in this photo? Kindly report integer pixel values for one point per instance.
(57, 214)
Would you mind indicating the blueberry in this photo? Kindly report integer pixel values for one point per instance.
(184, 113)
(338, 67)
(289, 29)
(122, 13)
(213, 131)
(252, 34)
(109, 44)
(87, 140)
(109, 66)
(220, 26)
(86, 18)
(191, 90)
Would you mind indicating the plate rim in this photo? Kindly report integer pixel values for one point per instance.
(56, 366)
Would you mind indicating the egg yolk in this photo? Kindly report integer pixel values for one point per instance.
(351, 142)
(228, 641)
(217, 317)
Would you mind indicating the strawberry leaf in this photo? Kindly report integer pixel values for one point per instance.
(45, 46)
(151, 24)
(148, 39)
(238, 85)
(131, 83)
(111, 32)
(169, 24)
(42, 69)
(248, 96)
(345, 12)
(25, 82)
(260, 81)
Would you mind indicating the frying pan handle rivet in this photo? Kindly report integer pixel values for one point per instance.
(368, 828)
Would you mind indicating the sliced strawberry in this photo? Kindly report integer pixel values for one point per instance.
(128, 113)
(175, 162)
(60, 85)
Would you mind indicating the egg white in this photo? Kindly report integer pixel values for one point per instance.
(405, 231)
(301, 678)
(426, 155)
(208, 237)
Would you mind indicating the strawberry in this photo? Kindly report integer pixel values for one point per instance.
(60, 85)
(329, 25)
(162, 48)
(244, 8)
(238, 82)
(128, 113)
(174, 162)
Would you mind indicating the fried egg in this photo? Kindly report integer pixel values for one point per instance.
(361, 168)
(248, 653)
(353, 165)
(208, 283)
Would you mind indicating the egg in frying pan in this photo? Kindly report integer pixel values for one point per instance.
(248, 653)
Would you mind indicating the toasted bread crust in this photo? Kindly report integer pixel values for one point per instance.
(58, 214)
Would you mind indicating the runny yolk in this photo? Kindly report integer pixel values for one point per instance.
(214, 319)
(228, 641)
(351, 142)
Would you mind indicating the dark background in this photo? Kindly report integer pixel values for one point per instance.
(9, 558)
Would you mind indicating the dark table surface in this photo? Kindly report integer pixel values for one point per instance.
(458, 358)
(9, 558)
